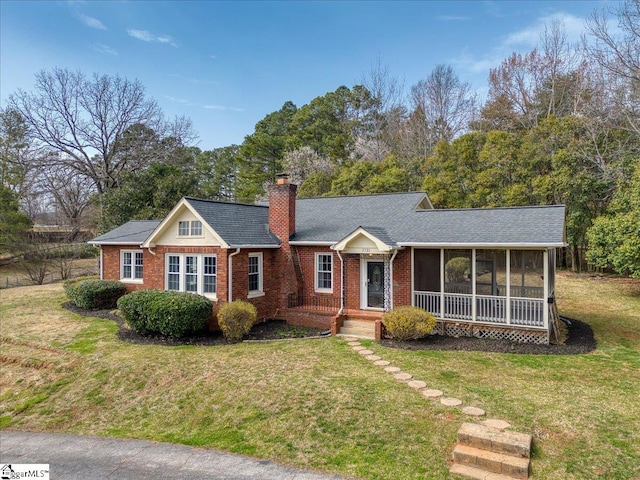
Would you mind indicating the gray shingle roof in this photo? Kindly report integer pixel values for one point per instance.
(329, 220)
(134, 232)
(238, 224)
(392, 218)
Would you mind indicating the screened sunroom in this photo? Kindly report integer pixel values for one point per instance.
(486, 286)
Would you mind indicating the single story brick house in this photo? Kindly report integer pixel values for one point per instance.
(329, 261)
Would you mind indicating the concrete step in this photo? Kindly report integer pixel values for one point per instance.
(479, 436)
(359, 324)
(357, 333)
(476, 473)
(504, 464)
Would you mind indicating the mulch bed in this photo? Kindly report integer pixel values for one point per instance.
(268, 330)
(580, 337)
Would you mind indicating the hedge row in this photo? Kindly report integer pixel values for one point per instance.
(94, 294)
(172, 314)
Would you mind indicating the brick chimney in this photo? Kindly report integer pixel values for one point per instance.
(282, 208)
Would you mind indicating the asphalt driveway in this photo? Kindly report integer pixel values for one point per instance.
(87, 458)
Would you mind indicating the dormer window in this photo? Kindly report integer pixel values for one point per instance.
(190, 228)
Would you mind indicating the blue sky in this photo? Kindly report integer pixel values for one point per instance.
(228, 64)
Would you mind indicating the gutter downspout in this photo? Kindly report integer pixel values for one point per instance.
(230, 275)
(341, 283)
(391, 279)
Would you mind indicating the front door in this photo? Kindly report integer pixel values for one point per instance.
(375, 284)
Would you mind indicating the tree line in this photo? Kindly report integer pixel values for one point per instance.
(560, 124)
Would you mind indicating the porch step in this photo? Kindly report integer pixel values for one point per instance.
(479, 436)
(512, 466)
(358, 329)
(491, 454)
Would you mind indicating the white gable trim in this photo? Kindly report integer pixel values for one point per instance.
(170, 220)
(377, 245)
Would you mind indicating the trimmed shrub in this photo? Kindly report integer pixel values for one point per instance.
(457, 269)
(236, 319)
(408, 323)
(172, 314)
(94, 294)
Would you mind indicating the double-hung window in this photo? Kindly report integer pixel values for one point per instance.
(255, 274)
(192, 273)
(324, 272)
(131, 265)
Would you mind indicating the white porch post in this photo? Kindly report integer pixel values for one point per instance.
(442, 283)
(545, 308)
(473, 285)
(508, 285)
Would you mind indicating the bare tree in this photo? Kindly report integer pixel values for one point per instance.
(445, 104)
(620, 55)
(85, 119)
(387, 114)
(71, 194)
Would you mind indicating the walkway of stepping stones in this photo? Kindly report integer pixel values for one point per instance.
(421, 386)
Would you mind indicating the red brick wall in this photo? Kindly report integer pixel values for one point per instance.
(402, 278)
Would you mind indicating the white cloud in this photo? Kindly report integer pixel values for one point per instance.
(147, 36)
(521, 41)
(91, 22)
(223, 108)
(99, 47)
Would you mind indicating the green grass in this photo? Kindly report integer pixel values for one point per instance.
(314, 403)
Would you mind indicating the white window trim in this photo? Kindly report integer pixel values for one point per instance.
(190, 229)
(260, 291)
(182, 273)
(132, 278)
(316, 271)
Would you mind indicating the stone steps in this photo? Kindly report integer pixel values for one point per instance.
(486, 453)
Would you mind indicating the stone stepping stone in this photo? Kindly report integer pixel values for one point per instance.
(382, 363)
(432, 393)
(497, 424)
(473, 411)
(359, 348)
(451, 402)
(365, 352)
(417, 384)
(373, 358)
(355, 343)
(402, 376)
(392, 369)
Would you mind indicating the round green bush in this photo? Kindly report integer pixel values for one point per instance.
(94, 294)
(236, 319)
(171, 314)
(408, 323)
(457, 269)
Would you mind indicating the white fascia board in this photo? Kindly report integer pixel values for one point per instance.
(482, 245)
(252, 246)
(115, 243)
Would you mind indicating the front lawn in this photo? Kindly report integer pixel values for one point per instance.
(314, 403)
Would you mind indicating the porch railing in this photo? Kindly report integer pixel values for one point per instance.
(313, 302)
(489, 309)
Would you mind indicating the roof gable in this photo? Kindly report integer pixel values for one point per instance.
(166, 233)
